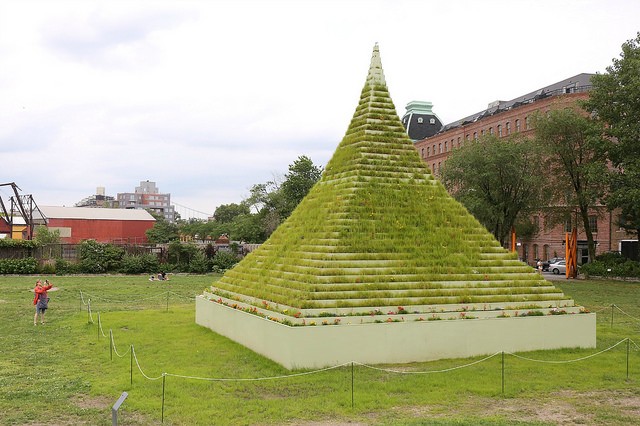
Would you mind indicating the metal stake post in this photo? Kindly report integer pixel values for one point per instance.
(628, 358)
(352, 384)
(612, 306)
(502, 372)
(163, 380)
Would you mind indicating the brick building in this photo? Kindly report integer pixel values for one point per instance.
(502, 118)
(148, 197)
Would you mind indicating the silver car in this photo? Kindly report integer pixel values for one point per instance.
(559, 267)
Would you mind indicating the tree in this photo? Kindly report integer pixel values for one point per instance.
(615, 101)
(226, 213)
(162, 232)
(303, 174)
(44, 235)
(497, 180)
(574, 162)
(274, 201)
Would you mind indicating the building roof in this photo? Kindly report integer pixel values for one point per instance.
(55, 212)
(577, 83)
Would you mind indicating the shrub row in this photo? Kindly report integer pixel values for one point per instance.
(27, 265)
(611, 265)
(101, 258)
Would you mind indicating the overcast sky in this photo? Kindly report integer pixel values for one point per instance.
(207, 98)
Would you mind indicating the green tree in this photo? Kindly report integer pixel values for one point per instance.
(49, 241)
(497, 180)
(162, 232)
(303, 174)
(98, 257)
(274, 201)
(44, 236)
(226, 213)
(575, 162)
(247, 228)
(615, 100)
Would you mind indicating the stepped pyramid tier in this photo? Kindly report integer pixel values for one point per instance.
(379, 231)
(379, 239)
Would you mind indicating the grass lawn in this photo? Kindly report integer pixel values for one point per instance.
(65, 373)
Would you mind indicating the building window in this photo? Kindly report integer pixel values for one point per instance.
(567, 225)
(458, 141)
(420, 120)
(525, 253)
(434, 149)
(439, 167)
(467, 137)
(482, 132)
(545, 252)
(535, 252)
(593, 223)
(517, 125)
(433, 167)
(508, 126)
(527, 123)
(446, 146)
(500, 130)
(422, 152)
(440, 148)
(475, 136)
(428, 151)
(491, 130)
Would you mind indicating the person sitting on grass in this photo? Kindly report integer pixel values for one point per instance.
(41, 300)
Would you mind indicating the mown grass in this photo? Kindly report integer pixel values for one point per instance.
(65, 373)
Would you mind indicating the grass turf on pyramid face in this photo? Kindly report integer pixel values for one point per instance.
(378, 231)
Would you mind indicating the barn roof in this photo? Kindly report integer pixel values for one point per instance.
(55, 212)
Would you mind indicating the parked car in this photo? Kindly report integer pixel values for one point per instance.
(546, 263)
(560, 267)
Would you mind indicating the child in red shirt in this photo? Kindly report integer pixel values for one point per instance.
(41, 300)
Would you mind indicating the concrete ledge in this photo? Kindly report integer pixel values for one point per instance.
(396, 342)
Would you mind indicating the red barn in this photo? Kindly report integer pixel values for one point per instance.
(101, 224)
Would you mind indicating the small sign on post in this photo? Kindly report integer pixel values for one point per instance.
(116, 406)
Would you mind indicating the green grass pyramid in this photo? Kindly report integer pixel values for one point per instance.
(378, 232)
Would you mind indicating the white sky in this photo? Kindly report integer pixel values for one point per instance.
(207, 98)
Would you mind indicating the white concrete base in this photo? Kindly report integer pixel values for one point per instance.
(309, 347)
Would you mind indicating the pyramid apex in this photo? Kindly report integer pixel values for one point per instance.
(376, 74)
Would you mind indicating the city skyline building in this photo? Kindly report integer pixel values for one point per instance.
(148, 196)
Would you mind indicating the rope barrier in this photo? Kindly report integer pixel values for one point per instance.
(184, 297)
(566, 361)
(135, 357)
(606, 308)
(137, 298)
(213, 379)
(429, 372)
(630, 316)
(114, 347)
(89, 310)
(255, 379)
(82, 298)
(100, 326)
